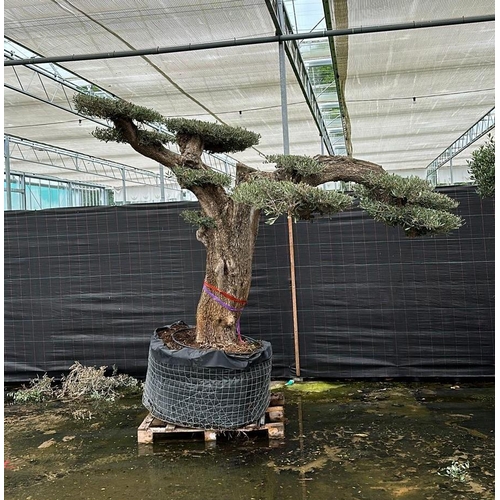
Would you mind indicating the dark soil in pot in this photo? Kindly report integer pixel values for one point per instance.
(180, 335)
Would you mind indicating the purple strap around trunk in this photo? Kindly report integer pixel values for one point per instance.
(226, 306)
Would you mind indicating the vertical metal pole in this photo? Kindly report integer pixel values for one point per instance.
(23, 192)
(162, 183)
(124, 187)
(451, 171)
(282, 65)
(6, 152)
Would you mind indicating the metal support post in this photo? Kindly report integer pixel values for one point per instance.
(124, 187)
(451, 171)
(162, 183)
(294, 297)
(70, 194)
(282, 66)
(8, 187)
(23, 192)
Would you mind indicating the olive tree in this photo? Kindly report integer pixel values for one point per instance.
(230, 210)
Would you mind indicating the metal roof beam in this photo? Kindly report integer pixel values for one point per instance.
(253, 41)
(53, 84)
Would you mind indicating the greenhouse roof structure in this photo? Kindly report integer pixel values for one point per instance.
(406, 84)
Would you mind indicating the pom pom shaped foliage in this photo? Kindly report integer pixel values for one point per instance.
(111, 109)
(216, 138)
(145, 137)
(408, 202)
(300, 200)
(188, 177)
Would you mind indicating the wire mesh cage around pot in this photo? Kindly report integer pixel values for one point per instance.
(207, 389)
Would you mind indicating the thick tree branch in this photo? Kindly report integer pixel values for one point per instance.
(156, 152)
(245, 173)
(342, 168)
(212, 198)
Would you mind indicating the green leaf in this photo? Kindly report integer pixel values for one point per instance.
(300, 200)
(189, 177)
(217, 138)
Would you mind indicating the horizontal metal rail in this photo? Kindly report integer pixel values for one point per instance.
(43, 154)
(253, 41)
(45, 85)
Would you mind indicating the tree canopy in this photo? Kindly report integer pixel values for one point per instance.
(291, 188)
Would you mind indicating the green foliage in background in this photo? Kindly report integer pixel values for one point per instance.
(321, 75)
(482, 168)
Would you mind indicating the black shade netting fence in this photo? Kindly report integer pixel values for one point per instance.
(207, 389)
(89, 284)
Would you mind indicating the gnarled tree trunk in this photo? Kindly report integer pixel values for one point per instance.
(230, 248)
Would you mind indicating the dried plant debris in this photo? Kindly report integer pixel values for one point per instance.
(39, 389)
(81, 382)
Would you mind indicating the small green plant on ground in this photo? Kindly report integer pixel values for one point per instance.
(40, 389)
(81, 382)
(458, 471)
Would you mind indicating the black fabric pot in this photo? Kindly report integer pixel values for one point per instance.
(207, 389)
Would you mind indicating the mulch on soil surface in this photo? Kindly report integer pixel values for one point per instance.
(178, 336)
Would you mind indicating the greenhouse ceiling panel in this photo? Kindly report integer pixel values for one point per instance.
(238, 86)
(407, 94)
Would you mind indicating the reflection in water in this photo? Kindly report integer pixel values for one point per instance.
(373, 441)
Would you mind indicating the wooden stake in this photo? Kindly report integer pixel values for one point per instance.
(294, 296)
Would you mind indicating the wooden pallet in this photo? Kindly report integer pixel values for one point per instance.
(152, 429)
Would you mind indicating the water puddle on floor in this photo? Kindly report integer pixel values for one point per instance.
(374, 441)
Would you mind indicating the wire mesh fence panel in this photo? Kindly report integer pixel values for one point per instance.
(193, 389)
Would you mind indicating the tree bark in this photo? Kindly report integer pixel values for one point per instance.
(230, 248)
(335, 168)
